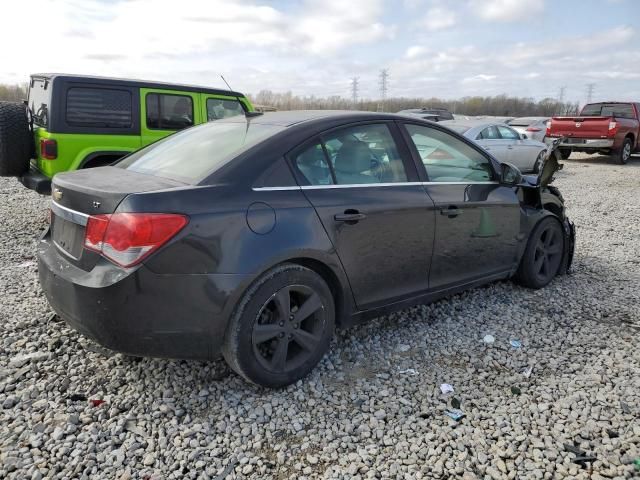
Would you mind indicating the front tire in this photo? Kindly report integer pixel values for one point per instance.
(543, 255)
(622, 156)
(281, 328)
(538, 163)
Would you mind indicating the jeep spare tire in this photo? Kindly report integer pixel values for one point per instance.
(15, 139)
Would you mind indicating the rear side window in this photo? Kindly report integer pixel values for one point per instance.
(507, 133)
(489, 133)
(169, 112)
(365, 154)
(218, 108)
(194, 154)
(39, 99)
(98, 107)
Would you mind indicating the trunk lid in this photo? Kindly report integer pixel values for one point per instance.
(579, 127)
(80, 194)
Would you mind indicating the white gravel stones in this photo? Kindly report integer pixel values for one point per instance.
(356, 415)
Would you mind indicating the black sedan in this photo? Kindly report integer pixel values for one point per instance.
(257, 236)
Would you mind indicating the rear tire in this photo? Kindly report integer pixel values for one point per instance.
(622, 156)
(16, 140)
(281, 328)
(543, 256)
(564, 153)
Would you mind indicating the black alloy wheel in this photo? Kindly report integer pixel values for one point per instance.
(543, 255)
(282, 327)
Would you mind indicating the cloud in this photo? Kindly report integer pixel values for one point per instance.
(415, 51)
(481, 77)
(439, 18)
(506, 10)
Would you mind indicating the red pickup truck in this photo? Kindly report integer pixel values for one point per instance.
(610, 128)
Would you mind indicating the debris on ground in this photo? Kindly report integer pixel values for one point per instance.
(515, 390)
(96, 402)
(489, 339)
(455, 403)
(77, 397)
(446, 388)
(404, 347)
(455, 414)
(516, 343)
(409, 371)
(528, 371)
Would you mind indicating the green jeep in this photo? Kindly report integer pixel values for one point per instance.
(73, 122)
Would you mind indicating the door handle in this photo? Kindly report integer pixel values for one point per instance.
(452, 211)
(349, 216)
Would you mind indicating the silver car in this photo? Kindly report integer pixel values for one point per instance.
(504, 143)
(533, 127)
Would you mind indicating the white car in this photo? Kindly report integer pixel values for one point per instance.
(504, 143)
(533, 127)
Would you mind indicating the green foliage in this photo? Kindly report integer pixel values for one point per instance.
(500, 105)
(13, 93)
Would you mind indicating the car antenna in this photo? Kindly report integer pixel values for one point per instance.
(246, 113)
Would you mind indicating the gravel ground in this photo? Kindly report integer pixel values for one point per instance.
(363, 413)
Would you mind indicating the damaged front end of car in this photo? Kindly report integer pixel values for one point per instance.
(537, 192)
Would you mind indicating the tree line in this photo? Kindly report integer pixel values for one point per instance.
(500, 105)
(13, 93)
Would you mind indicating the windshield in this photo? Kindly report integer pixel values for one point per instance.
(191, 155)
(39, 100)
(620, 110)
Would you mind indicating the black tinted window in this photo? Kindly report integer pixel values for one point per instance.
(169, 112)
(218, 108)
(364, 154)
(99, 107)
(620, 110)
(312, 164)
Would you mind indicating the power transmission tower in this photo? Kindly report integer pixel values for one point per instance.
(355, 85)
(384, 86)
(563, 89)
(590, 88)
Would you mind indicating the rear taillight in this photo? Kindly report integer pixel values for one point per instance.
(127, 238)
(48, 149)
(548, 127)
(533, 129)
(613, 128)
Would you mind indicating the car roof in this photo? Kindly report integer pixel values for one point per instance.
(289, 118)
(136, 83)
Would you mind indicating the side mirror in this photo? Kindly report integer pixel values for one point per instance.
(524, 136)
(510, 174)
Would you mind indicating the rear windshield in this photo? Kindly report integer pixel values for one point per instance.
(39, 100)
(191, 155)
(620, 110)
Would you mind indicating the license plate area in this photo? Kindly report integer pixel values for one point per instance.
(67, 236)
(576, 140)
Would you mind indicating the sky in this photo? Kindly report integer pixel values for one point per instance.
(430, 48)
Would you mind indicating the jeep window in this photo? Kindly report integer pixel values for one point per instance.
(217, 108)
(39, 99)
(194, 154)
(169, 112)
(98, 107)
(620, 110)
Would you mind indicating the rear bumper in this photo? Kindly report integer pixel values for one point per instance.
(37, 181)
(584, 143)
(139, 312)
